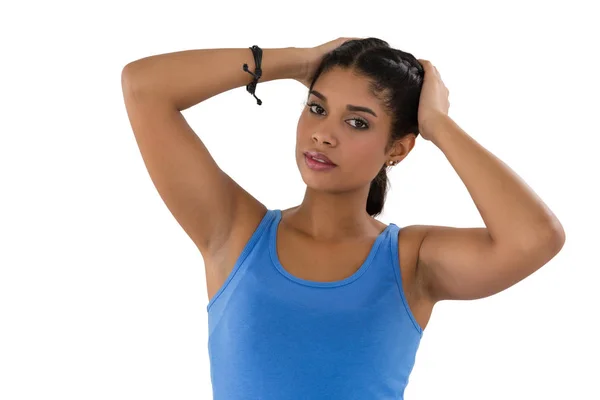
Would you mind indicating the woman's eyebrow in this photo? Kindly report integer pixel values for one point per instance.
(349, 107)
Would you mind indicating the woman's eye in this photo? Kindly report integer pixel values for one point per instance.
(314, 105)
(362, 124)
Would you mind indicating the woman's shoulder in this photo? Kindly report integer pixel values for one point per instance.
(409, 243)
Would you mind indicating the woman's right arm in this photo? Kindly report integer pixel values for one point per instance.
(186, 78)
(204, 200)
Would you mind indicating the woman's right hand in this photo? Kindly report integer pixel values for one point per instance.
(314, 55)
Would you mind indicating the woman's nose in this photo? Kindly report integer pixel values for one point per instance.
(325, 138)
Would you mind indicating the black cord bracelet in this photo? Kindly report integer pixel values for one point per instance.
(251, 87)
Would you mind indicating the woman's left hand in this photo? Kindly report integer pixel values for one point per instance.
(433, 103)
(314, 55)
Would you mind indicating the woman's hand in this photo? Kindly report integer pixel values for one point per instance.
(313, 55)
(433, 103)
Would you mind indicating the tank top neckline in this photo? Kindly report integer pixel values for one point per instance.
(357, 274)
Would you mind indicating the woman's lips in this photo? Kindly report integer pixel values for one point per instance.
(319, 156)
(316, 165)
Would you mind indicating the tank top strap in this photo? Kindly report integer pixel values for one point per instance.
(386, 254)
(394, 250)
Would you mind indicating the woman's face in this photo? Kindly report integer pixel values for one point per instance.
(355, 140)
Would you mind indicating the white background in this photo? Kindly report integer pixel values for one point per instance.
(102, 294)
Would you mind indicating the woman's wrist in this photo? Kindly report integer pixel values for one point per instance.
(284, 63)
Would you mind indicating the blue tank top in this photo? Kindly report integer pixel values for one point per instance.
(273, 335)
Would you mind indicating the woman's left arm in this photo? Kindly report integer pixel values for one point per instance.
(521, 233)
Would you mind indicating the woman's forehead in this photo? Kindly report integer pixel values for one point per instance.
(342, 86)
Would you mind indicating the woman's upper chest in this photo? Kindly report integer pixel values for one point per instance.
(324, 261)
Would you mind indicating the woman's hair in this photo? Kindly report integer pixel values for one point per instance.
(395, 79)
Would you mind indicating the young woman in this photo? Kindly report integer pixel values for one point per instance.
(322, 300)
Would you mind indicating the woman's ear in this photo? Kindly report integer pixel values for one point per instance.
(403, 146)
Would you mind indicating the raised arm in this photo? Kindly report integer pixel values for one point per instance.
(202, 198)
(521, 234)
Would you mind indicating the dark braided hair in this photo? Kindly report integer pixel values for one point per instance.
(396, 78)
